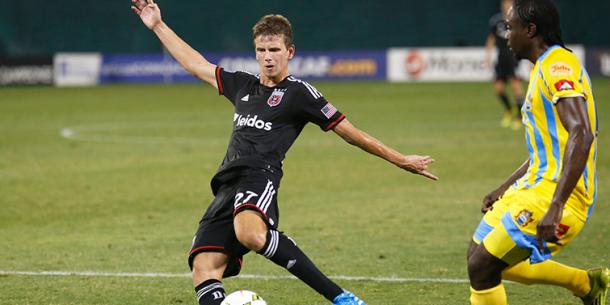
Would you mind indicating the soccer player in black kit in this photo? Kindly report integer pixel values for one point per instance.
(505, 66)
(271, 109)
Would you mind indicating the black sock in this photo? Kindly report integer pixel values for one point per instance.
(519, 101)
(284, 252)
(210, 292)
(504, 100)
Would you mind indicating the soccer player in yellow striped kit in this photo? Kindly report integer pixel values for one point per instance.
(546, 202)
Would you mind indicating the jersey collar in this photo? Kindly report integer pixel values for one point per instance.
(547, 52)
(281, 84)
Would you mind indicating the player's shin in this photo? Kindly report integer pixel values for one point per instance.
(283, 251)
(519, 100)
(505, 101)
(551, 273)
(210, 292)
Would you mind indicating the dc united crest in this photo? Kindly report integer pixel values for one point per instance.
(276, 97)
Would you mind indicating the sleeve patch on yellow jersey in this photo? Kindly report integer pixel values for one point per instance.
(564, 84)
(561, 69)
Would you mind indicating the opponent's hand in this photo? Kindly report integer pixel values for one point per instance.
(418, 165)
(490, 199)
(148, 11)
(548, 227)
(488, 62)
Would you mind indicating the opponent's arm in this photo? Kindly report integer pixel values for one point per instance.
(191, 60)
(573, 115)
(492, 197)
(412, 163)
(489, 47)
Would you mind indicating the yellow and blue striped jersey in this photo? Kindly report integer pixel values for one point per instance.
(557, 74)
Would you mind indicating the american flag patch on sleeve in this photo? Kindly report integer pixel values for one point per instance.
(329, 110)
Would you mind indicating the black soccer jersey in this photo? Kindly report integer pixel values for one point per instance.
(267, 120)
(498, 28)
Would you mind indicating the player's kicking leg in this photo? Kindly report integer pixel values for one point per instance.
(253, 233)
(208, 269)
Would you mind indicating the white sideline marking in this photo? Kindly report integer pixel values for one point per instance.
(73, 133)
(243, 276)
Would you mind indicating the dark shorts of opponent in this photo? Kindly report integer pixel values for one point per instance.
(505, 68)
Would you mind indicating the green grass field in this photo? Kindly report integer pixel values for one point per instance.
(124, 187)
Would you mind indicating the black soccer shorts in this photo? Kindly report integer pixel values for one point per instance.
(254, 189)
(505, 69)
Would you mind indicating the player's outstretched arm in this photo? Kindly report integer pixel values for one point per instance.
(492, 197)
(191, 60)
(573, 115)
(412, 163)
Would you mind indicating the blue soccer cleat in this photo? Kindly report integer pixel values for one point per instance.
(347, 298)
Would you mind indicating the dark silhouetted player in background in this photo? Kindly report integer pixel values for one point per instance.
(504, 68)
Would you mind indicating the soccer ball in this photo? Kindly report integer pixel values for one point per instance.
(243, 297)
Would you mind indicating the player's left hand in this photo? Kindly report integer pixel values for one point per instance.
(491, 198)
(548, 227)
(148, 11)
(418, 165)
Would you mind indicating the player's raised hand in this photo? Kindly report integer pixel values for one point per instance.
(418, 165)
(148, 11)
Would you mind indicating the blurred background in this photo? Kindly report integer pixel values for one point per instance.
(42, 28)
(33, 32)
